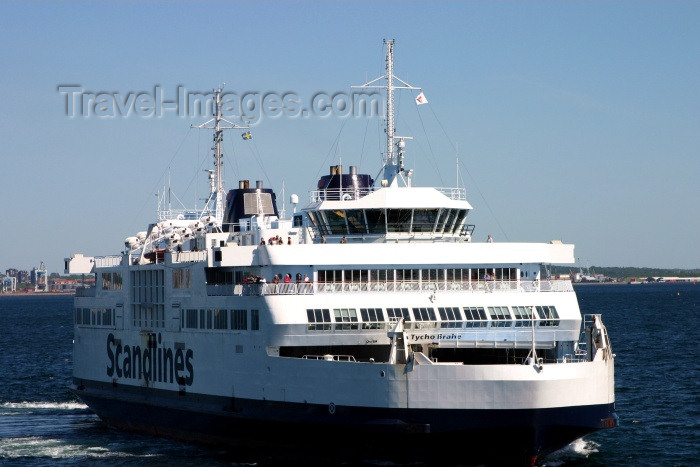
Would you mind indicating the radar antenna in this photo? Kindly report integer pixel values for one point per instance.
(393, 166)
(218, 124)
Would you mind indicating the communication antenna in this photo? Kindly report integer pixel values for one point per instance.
(392, 166)
(218, 123)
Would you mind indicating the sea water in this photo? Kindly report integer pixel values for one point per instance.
(654, 332)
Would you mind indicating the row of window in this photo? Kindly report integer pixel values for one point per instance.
(94, 317)
(148, 316)
(111, 281)
(143, 280)
(236, 320)
(322, 319)
(391, 275)
(181, 278)
(148, 286)
(382, 221)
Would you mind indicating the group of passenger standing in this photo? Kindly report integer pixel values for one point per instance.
(288, 278)
(276, 240)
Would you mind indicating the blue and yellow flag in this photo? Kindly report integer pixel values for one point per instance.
(247, 135)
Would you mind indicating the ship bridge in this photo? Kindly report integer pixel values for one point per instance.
(359, 212)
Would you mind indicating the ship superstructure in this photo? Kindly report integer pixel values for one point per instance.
(371, 315)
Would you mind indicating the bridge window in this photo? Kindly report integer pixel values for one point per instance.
(316, 222)
(442, 217)
(461, 216)
(336, 221)
(376, 221)
(450, 220)
(424, 220)
(356, 221)
(398, 220)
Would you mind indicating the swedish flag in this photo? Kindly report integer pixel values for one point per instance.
(247, 135)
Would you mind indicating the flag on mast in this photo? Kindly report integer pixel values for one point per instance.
(421, 99)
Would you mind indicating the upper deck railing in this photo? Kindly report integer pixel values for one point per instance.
(311, 288)
(351, 193)
(107, 261)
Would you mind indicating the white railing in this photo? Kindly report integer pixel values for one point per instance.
(339, 194)
(107, 261)
(309, 288)
(331, 358)
(189, 256)
(457, 194)
(350, 193)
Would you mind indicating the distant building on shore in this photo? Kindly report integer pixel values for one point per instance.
(9, 284)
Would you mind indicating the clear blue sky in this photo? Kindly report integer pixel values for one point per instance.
(577, 121)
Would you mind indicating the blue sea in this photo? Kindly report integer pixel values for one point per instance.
(654, 330)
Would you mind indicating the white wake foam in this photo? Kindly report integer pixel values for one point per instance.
(35, 447)
(581, 448)
(43, 405)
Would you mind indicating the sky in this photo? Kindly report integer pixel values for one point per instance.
(576, 121)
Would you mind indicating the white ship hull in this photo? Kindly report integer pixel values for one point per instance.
(240, 396)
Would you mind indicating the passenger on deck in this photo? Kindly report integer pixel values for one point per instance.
(343, 240)
(287, 278)
(306, 278)
(289, 240)
(262, 241)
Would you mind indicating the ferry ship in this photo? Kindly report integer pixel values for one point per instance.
(369, 320)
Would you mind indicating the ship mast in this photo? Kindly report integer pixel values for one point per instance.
(218, 123)
(393, 164)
